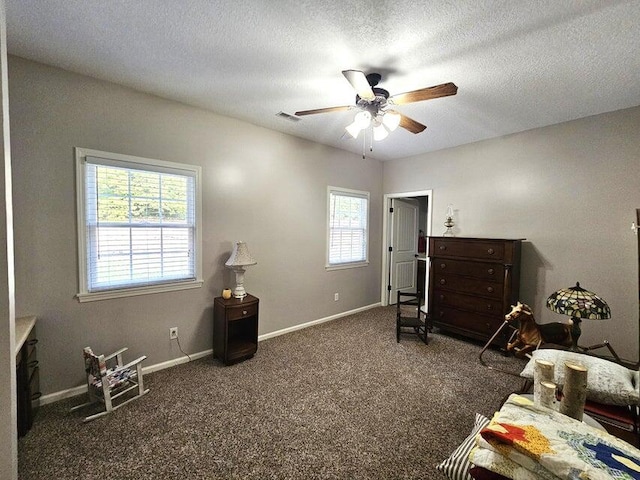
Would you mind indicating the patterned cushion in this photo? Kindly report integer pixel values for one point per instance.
(456, 467)
(607, 382)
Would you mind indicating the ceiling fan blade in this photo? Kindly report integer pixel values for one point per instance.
(429, 93)
(360, 84)
(411, 125)
(323, 110)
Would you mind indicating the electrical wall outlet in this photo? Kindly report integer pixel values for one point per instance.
(336, 297)
(173, 333)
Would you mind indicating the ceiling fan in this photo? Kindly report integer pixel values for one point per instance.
(375, 105)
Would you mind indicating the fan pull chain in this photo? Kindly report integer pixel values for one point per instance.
(371, 140)
(364, 143)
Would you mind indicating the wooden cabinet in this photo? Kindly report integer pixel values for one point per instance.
(472, 284)
(235, 328)
(27, 373)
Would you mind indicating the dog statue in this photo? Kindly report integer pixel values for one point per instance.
(530, 335)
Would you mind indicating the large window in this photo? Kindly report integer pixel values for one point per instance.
(348, 228)
(138, 225)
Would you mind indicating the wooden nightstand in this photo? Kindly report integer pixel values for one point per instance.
(235, 328)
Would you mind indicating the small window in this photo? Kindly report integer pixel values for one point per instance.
(348, 228)
(138, 225)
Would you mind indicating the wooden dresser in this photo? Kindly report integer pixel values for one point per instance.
(472, 284)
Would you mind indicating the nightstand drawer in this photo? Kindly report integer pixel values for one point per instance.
(243, 311)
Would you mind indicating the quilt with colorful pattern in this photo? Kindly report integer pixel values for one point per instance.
(524, 441)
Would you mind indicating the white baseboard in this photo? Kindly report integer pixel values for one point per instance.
(316, 322)
(72, 392)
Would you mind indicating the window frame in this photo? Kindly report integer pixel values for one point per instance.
(84, 295)
(347, 192)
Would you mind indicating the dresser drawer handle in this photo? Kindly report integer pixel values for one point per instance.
(491, 251)
(32, 364)
(441, 314)
(491, 271)
(36, 395)
(244, 312)
(489, 306)
(32, 342)
(442, 281)
(490, 289)
(443, 265)
(442, 298)
(443, 247)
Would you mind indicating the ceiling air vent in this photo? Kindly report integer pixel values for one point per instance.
(288, 116)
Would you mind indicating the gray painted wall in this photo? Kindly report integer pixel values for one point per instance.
(263, 187)
(570, 189)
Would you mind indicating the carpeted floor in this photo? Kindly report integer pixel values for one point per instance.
(341, 400)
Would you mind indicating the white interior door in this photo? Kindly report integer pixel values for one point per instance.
(404, 243)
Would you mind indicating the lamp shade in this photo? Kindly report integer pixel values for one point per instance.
(380, 132)
(391, 120)
(579, 303)
(240, 256)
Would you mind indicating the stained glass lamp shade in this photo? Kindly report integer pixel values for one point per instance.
(579, 304)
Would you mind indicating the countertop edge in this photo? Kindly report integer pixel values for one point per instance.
(24, 325)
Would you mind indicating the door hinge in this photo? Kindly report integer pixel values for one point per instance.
(391, 249)
(390, 209)
(389, 287)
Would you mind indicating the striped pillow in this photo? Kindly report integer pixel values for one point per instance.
(456, 467)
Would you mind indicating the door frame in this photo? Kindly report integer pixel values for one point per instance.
(386, 235)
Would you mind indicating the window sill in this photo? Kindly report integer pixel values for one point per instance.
(132, 292)
(345, 266)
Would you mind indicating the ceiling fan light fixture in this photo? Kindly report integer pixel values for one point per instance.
(363, 119)
(391, 120)
(380, 132)
(353, 129)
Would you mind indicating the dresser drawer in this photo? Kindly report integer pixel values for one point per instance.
(451, 318)
(486, 306)
(242, 311)
(478, 250)
(468, 285)
(486, 271)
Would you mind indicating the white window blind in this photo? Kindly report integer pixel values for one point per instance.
(140, 223)
(348, 227)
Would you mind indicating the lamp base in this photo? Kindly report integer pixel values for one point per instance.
(239, 291)
(449, 224)
(576, 331)
(239, 294)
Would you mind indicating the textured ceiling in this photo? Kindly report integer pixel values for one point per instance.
(518, 64)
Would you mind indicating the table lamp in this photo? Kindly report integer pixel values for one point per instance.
(240, 258)
(580, 304)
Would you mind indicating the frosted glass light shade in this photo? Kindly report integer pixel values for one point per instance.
(391, 120)
(363, 119)
(380, 132)
(353, 129)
